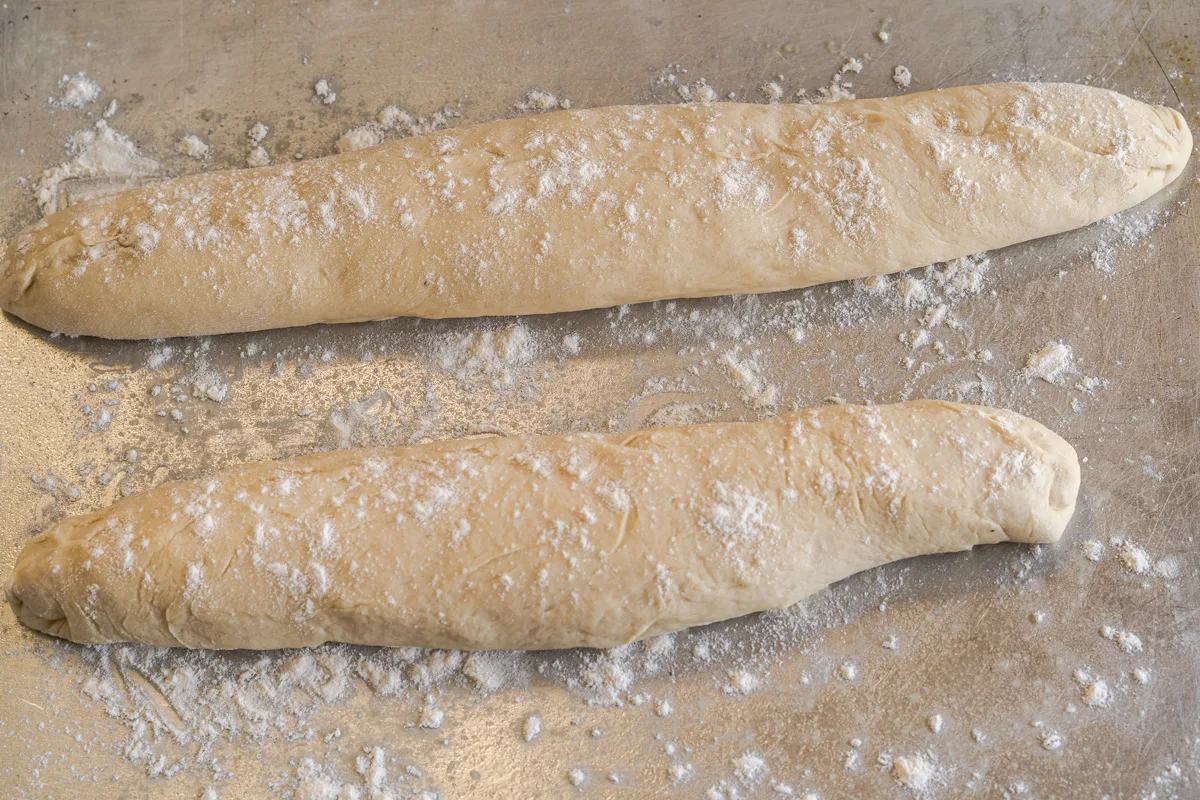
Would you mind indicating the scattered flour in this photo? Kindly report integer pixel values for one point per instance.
(1095, 692)
(742, 681)
(572, 343)
(1097, 695)
(160, 356)
(537, 101)
(772, 91)
(394, 118)
(854, 65)
(1051, 740)
(680, 773)
(916, 772)
(1128, 642)
(96, 152)
(258, 157)
(218, 698)
(490, 672)
(359, 138)
(494, 355)
(750, 768)
(697, 91)
(532, 728)
(1167, 568)
(316, 781)
(200, 378)
(77, 91)
(1124, 229)
(1132, 557)
(747, 372)
(1093, 550)
(839, 88)
(192, 146)
(397, 120)
(431, 716)
(323, 93)
(1053, 363)
(606, 679)
(902, 77)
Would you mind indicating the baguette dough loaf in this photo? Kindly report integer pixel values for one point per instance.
(543, 542)
(594, 208)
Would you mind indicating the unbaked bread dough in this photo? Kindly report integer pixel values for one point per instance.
(595, 208)
(536, 542)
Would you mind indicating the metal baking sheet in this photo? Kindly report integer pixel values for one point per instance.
(999, 643)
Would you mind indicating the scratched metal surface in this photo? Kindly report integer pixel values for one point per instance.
(967, 647)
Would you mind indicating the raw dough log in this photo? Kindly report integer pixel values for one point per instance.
(536, 542)
(586, 209)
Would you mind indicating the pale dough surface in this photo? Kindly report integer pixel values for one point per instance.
(537, 542)
(587, 209)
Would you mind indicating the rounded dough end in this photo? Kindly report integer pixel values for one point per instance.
(33, 598)
(1055, 453)
(1176, 138)
(13, 280)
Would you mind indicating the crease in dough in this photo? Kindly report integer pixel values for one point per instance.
(516, 543)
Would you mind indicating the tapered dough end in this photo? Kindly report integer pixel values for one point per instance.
(32, 591)
(12, 284)
(42, 592)
(1175, 138)
(1048, 516)
(16, 272)
(1129, 150)
(1153, 142)
(1145, 136)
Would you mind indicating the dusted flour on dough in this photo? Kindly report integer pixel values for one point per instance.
(719, 319)
(695, 524)
(558, 211)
